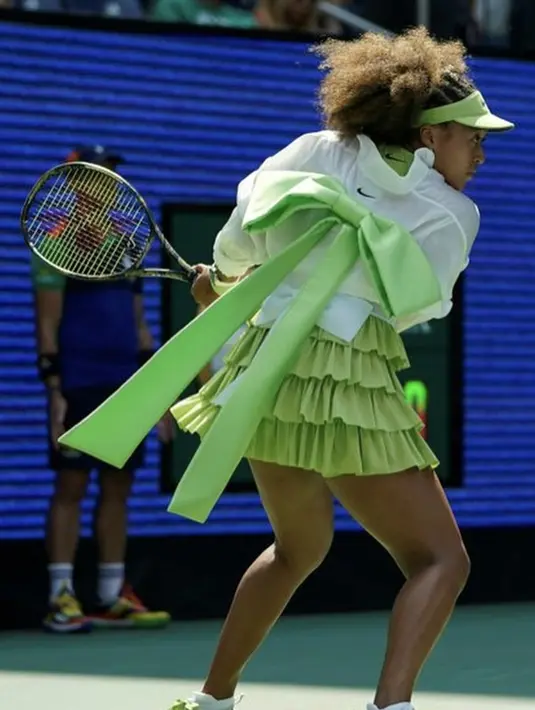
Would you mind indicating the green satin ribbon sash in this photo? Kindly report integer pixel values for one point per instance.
(226, 441)
(115, 429)
(395, 265)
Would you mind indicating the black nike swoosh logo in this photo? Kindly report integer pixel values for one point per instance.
(389, 156)
(360, 192)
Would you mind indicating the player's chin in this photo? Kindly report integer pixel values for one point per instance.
(459, 182)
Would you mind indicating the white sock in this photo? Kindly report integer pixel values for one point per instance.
(110, 581)
(207, 702)
(397, 706)
(60, 574)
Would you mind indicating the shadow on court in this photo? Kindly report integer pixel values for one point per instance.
(486, 650)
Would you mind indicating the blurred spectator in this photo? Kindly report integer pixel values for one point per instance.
(107, 8)
(202, 12)
(285, 15)
(449, 18)
(493, 20)
(91, 338)
(330, 26)
(290, 15)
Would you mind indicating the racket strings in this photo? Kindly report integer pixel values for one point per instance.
(88, 223)
(81, 210)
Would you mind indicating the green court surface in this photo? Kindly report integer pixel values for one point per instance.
(484, 661)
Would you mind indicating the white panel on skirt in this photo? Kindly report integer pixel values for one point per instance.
(343, 317)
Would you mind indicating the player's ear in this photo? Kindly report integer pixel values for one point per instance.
(427, 137)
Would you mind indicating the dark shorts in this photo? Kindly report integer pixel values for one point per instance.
(80, 403)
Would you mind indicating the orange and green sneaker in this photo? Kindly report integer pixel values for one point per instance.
(129, 612)
(65, 615)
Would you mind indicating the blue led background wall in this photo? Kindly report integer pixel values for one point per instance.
(193, 115)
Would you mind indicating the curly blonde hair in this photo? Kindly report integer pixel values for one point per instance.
(377, 85)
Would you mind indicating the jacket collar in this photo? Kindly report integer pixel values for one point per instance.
(380, 173)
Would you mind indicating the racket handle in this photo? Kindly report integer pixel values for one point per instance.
(191, 275)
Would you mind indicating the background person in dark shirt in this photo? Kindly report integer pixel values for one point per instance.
(91, 338)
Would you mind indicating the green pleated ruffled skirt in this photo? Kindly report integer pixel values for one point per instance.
(340, 410)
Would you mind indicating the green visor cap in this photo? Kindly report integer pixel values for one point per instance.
(471, 111)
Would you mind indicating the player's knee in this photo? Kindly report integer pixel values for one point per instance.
(302, 556)
(115, 486)
(451, 565)
(71, 487)
(457, 567)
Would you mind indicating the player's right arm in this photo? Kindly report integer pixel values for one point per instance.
(236, 251)
(48, 288)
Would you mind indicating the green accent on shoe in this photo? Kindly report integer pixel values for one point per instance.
(185, 705)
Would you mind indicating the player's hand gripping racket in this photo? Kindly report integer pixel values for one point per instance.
(89, 223)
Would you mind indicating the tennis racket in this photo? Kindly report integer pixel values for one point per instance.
(89, 223)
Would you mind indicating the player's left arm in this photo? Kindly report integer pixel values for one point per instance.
(144, 336)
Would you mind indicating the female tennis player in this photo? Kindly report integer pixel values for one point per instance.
(405, 132)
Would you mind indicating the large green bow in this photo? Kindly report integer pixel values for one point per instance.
(396, 267)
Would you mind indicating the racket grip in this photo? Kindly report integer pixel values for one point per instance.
(191, 275)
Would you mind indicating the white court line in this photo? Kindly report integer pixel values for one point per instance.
(29, 691)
